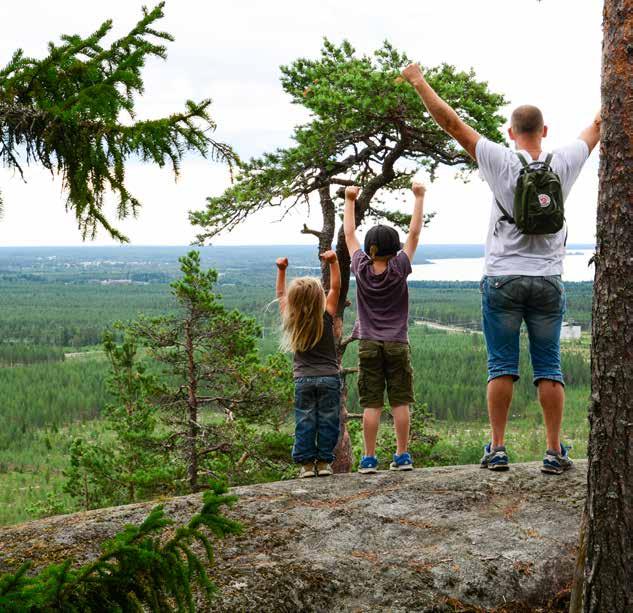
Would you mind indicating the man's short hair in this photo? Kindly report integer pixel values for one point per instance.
(527, 119)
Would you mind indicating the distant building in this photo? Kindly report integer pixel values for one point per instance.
(569, 332)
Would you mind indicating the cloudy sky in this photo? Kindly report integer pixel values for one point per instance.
(545, 53)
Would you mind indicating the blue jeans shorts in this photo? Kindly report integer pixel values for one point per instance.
(507, 301)
(317, 415)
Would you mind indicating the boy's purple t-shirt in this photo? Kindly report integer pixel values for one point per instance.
(382, 301)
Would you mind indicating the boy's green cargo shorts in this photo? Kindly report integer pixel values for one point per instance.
(380, 364)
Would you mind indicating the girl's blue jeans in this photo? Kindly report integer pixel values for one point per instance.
(317, 414)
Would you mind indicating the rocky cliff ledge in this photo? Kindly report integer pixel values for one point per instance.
(441, 539)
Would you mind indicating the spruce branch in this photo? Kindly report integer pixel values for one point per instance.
(135, 571)
(63, 113)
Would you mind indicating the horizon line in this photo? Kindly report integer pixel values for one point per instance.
(252, 245)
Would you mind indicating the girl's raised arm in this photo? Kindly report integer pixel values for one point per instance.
(282, 264)
(331, 303)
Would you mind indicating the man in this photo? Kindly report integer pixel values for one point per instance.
(522, 279)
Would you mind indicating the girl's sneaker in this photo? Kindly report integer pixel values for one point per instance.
(307, 471)
(324, 469)
(402, 462)
(368, 465)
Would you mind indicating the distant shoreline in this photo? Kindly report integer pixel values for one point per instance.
(425, 253)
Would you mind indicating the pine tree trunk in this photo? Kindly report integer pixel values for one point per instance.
(192, 413)
(609, 566)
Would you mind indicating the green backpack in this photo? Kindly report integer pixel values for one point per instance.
(538, 199)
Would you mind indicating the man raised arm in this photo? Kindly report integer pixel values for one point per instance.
(591, 134)
(443, 114)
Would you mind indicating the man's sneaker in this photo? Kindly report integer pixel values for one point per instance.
(368, 465)
(401, 462)
(495, 459)
(307, 471)
(557, 463)
(324, 469)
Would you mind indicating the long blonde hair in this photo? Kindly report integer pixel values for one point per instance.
(302, 320)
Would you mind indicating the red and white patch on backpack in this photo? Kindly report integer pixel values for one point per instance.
(544, 200)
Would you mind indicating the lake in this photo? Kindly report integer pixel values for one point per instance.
(471, 269)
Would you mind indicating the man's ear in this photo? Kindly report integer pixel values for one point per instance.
(544, 131)
(511, 133)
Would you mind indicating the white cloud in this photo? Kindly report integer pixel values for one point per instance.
(546, 53)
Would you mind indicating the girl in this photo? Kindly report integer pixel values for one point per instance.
(307, 322)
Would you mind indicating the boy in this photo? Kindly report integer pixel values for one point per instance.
(382, 297)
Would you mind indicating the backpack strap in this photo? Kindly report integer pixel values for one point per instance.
(548, 159)
(504, 217)
(524, 162)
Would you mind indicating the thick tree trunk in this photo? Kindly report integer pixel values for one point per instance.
(608, 573)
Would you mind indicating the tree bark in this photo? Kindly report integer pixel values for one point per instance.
(608, 576)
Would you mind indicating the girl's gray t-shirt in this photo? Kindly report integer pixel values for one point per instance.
(382, 300)
(321, 360)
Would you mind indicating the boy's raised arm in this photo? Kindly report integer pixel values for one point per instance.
(444, 115)
(349, 219)
(282, 264)
(417, 220)
(331, 304)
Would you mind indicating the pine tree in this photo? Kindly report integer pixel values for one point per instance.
(132, 464)
(211, 368)
(64, 112)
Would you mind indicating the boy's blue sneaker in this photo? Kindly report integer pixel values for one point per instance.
(402, 462)
(495, 459)
(556, 463)
(368, 465)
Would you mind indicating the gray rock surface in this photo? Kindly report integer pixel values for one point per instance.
(440, 539)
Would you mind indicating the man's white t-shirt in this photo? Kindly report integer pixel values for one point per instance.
(508, 252)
